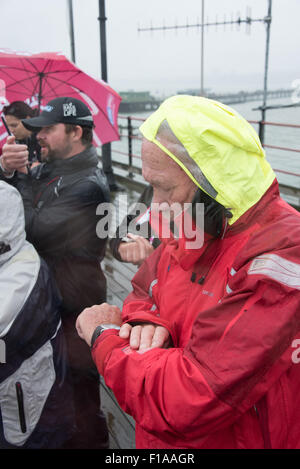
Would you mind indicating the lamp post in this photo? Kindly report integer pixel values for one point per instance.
(202, 50)
(268, 20)
(106, 148)
(72, 30)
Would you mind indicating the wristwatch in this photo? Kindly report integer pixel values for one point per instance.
(99, 329)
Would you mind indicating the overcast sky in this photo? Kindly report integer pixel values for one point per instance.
(162, 62)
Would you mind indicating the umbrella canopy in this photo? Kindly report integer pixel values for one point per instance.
(38, 78)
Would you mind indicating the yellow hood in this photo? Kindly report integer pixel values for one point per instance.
(219, 142)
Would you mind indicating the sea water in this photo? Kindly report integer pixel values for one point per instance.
(287, 137)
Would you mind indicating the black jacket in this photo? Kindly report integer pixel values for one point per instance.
(60, 200)
(122, 230)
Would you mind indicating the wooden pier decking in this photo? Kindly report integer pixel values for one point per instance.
(120, 425)
(118, 274)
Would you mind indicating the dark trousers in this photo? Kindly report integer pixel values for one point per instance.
(82, 284)
(91, 429)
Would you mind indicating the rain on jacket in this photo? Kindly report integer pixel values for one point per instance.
(35, 398)
(60, 200)
(231, 376)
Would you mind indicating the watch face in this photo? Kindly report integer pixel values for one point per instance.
(105, 327)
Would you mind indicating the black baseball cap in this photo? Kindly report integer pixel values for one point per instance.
(61, 111)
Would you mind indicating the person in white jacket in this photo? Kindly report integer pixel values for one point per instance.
(35, 397)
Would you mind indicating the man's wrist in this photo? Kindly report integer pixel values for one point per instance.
(101, 328)
(6, 173)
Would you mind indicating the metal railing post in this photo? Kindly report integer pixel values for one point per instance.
(106, 147)
(129, 134)
(261, 129)
(268, 20)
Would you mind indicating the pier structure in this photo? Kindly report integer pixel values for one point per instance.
(143, 101)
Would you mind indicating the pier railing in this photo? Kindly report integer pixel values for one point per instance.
(126, 155)
(274, 147)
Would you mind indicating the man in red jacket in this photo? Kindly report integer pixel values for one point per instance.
(208, 351)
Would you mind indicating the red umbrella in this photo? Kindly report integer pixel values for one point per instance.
(38, 78)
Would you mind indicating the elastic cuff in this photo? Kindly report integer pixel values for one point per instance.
(104, 345)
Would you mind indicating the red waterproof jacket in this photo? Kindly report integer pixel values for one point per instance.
(231, 378)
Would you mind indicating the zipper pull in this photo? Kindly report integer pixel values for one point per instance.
(193, 277)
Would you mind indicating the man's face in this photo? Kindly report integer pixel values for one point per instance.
(55, 143)
(170, 183)
(17, 128)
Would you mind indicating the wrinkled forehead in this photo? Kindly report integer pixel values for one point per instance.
(175, 154)
(155, 157)
(159, 169)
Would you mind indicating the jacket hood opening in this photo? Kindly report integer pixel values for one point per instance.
(216, 147)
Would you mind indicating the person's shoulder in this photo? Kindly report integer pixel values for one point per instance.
(282, 227)
(90, 189)
(278, 234)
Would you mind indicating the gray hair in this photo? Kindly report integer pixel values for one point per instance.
(168, 139)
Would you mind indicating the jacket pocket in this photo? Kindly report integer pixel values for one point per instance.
(24, 393)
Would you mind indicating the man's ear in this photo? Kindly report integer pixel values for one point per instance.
(78, 132)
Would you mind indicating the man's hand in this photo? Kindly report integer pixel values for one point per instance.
(14, 156)
(92, 317)
(146, 336)
(136, 251)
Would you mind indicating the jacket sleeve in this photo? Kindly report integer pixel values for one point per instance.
(226, 367)
(30, 308)
(140, 305)
(10, 180)
(122, 230)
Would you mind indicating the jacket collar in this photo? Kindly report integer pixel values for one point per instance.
(260, 210)
(187, 258)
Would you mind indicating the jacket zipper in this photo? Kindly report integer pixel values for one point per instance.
(20, 399)
(262, 415)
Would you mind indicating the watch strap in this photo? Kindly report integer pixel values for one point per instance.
(101, 328)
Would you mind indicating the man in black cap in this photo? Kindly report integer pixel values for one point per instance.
(60, 198)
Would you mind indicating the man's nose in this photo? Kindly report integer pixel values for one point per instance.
(39, 134)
